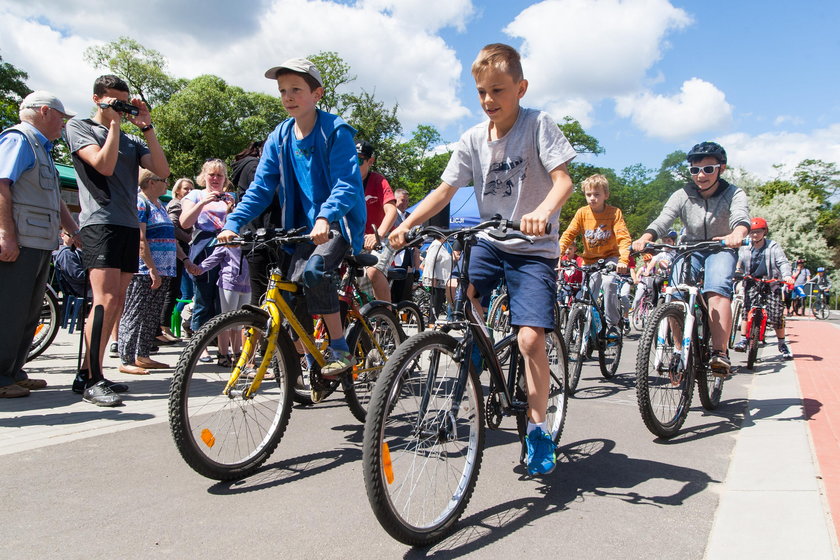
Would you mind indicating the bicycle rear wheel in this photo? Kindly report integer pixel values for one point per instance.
(575, 342)
(47, 327)
(411, 318)
(422, 448)
(663, 392)
(709, 387)
(737, 319)
(609, 352)
(820, 309)
(754, 334)
(370, 359)
(226, 436)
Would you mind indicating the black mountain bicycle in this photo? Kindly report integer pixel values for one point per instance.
(424, 433)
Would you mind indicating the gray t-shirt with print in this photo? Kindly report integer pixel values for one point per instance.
(110, 200)
(511, 175)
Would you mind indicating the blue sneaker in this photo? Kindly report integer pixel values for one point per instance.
(541, 452)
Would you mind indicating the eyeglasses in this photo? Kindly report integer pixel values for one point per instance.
(707, 169)
(159, 180)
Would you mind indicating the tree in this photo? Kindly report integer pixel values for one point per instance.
(144, 70)
(791, 217)
(582, 142)
(209, 118)
(13, 89)
(335, 73)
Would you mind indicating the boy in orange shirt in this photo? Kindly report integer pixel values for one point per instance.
(605, 236)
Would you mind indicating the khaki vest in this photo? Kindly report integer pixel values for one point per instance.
(36, 198)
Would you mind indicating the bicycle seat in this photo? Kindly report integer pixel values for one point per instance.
(361, 260)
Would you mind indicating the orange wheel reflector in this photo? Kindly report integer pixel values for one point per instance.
(208, 438)
(386, 464)
(39, 328)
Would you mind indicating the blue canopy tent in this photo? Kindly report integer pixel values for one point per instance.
(463, 209)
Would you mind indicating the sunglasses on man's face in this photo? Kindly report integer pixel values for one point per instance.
(362, 160)
(707, 169)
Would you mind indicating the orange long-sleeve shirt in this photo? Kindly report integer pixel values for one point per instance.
(604, 234)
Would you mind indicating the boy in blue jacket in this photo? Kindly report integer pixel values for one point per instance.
(310, 161)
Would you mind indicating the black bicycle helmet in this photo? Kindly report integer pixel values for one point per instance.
(704, 149)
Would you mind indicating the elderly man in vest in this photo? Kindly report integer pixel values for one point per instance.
(31, 215)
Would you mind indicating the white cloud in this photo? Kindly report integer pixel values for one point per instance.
(758, 153)
(698, 107)
(782, 119)
(429, 15)
(391, 49)
(591, 49)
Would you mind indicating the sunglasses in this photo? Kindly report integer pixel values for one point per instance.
(707, 169)
(362, 160)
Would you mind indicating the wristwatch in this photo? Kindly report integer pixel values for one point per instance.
(149, 126)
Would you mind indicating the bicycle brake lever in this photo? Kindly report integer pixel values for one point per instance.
(509, 234)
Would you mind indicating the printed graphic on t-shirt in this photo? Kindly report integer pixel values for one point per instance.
(504, 178)
(598, 236)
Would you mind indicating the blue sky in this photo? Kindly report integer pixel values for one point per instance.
(645, 77)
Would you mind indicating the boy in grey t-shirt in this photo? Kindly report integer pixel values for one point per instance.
(516, 162)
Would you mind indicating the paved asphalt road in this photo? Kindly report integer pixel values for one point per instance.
(83, 482)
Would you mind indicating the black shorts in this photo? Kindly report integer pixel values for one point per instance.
(107, 246)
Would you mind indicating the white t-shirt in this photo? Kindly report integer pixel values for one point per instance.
(511, 175)
(438, 262)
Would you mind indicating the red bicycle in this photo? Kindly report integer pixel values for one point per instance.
(757, 315)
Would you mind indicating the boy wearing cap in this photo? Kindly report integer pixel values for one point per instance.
(764, 258)
(31, 214)
(516, 162)
(381, 206)
(310, 162)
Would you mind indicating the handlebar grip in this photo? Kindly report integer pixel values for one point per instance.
(515, 224)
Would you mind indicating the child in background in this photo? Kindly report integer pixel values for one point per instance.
(437, 268)
(234, 292)
(605, 236)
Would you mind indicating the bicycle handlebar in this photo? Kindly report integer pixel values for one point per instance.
(417, 234)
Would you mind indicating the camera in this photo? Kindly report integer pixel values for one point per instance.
(122, 107)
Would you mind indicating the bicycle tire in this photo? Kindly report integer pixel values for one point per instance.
(221, 436)
(47, 327)
(562, 314)
(709, 387)
(663, 396)
(641, 313)
(737, 319)
(498, 317)
(411, 317)
(558, 394)
(753, 340)
(419, 504)
(358, 384)
(575, 339)
(820, 309)
(609, 352)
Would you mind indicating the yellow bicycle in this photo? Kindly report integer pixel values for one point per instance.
(228, 417)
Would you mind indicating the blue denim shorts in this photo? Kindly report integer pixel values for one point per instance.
(720, 268)
(531, 282)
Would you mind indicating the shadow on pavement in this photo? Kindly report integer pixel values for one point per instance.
(587, 467)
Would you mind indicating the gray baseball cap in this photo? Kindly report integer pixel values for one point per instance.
(43, 98)
(296, 65)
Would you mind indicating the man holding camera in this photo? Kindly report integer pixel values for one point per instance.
(107, 163)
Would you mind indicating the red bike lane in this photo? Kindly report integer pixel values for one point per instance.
(816, 350)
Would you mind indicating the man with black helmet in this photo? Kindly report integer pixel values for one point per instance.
(710, 209)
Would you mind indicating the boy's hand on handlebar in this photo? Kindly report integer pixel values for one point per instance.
(397, 237)
(734, 240)
(534, 223)
(226, 236)
(320, 234)
(639, 244)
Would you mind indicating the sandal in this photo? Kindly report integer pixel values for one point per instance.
(224, 360)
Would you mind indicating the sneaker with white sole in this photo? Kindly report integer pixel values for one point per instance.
(785, 350)
(542, 453)
(338, 362)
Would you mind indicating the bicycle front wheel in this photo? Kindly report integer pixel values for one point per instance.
(411, 317)
(709, 387)
(754, 334)
(737, 319)
(226, 435)
(640, 313)
(609, 352)
(663, 389)
(422, 444)
(370, 356)
(575, 343)
(47, 327)
(820, 309)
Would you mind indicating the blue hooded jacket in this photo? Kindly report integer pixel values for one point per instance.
(338, 194)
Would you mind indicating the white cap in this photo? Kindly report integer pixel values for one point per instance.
(296, 65)
(43, 98)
